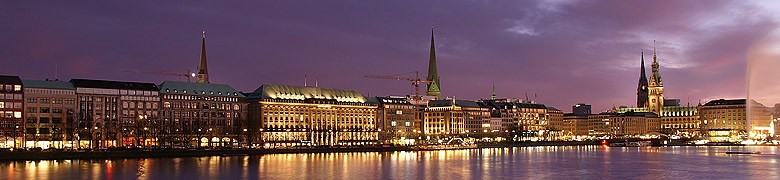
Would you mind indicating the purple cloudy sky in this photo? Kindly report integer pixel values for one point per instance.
(564, 51)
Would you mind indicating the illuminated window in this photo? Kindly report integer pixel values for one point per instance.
(392, 123)
(407, 124)
(17, 88)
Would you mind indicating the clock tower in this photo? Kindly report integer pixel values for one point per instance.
(656, 87)
(641, 89)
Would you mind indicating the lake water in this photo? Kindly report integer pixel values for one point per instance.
(575, 162)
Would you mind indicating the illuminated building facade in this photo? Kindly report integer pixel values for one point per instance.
(447, 118)
(202, 114)
(724, 120)
(309, 116)
(396, 120)
(598, 124)
(634, 123)
(115, 113)
(11, 108)
(575, 125)
(656, 87)
(50, 108)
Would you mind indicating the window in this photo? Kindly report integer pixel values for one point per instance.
(31, 100)
(56, 120)
(56, 110)
(392, 123)
(44, 120)
(407, 124)
(17, 88)
(44, 110)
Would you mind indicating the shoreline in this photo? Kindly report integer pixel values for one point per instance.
(171, 153)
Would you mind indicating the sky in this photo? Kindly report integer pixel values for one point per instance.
(559, 52)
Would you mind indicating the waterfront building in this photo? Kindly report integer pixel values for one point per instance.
(634, 123)
(598, 124)
(532, 120)
(11, 108)
(724, 120)
(116, 113)
(202, 114)
(680, 120)
(49, 113)
(443, 118)
(396, 120)
(447, 118)
(555, 123)
(575, 126)
(310, 116)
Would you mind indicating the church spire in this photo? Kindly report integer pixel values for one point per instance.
(203, 72)
(493, 97)
(641, 89)
(434, 88)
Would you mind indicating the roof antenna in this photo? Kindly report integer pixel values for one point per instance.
(305, 79)
(317, 81)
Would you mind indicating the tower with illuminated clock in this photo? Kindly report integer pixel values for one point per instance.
(641, 89)
(655, 88)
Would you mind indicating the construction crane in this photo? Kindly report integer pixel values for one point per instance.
(189, 74)
(416, 81)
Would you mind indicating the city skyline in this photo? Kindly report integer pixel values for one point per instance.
(565, 52)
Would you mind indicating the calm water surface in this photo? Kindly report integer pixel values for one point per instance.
(591, 162)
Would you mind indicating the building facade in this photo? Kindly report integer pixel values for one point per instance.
(116, 113)
(11, 112)
(396, 118)
(202, 114)
(284, 116)
(634, 123)
(447, 118)
(50, 108)
(724, 120)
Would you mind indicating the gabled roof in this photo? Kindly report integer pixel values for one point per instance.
(273, 91)
(203, 89)
(14, 80)
(105, 84)
(48, 84)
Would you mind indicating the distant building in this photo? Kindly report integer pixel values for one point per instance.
(309, 116)
(50, 108)
(202, 114)
(11, 108)
(581, 109)
(599, 124)
(642, 87)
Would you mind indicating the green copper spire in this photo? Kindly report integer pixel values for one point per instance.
(434, 88)
(203, 70)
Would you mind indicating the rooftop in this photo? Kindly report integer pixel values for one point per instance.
(273, 91)
(105, 84)
(193, 88)
(48, 84)
(4, 79)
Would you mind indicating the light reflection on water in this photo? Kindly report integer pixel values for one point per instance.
(574, 162)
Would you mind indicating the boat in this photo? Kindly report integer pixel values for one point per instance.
(743, 152)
